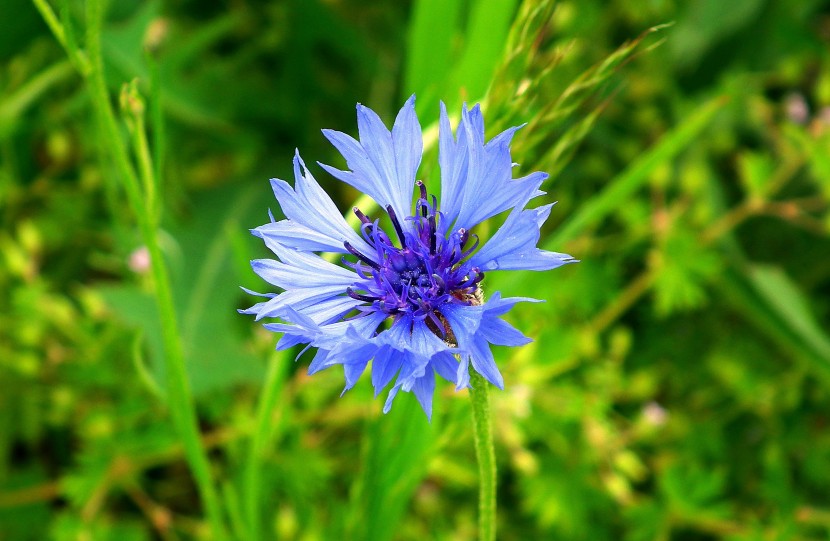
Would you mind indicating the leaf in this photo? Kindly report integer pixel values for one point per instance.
(684, 268)
(756, 171)
(693, 489)
(787, 301)
(769, 300)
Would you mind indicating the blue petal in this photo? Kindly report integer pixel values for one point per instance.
(298, 236)
(409, 335)
(288, 341)
(490, 188)
(383, 164)
(348, 333)
(393, 392)
(299, 325)
(476, 178)
(309, 210)
(462, 374)
(465, 322)
(497, 305)
(446, 365)
(310, 264)
(313, 286)
(319, 362)
(513, 246)
(292, 276)
(424, 389)
(330, 310)
(501, 333)
(413, 367)
(296, 299)
(484, 363)
(475, 327)
(355, 349)
(252, 292)
(453, 160)
(352, 373)
(409, 148)
(385, 365)
(418, 376)
(417, 352)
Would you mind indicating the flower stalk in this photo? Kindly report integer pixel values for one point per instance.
(486, 456)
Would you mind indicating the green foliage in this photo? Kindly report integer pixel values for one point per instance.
(678, 384)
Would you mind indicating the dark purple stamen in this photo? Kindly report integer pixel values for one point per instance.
(362, 217)
(432, 232)
(397, 225)
(350, 292)
(439, 282)
(422, 188)
(423, 272)
(355, 252)
(423, 199)
(471, 249)
(463, 235)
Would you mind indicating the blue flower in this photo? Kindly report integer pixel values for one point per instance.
(407, 297)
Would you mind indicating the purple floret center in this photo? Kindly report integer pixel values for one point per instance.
(423, 271)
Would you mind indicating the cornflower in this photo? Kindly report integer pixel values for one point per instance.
(408, 296)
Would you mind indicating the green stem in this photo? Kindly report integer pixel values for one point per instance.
(156, 115)
(141, 150)
(486, 455)
(271, 391)
(51, 20)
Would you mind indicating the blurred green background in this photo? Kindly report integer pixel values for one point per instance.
(679, 384)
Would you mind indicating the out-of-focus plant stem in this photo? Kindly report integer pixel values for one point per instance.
(144, 205)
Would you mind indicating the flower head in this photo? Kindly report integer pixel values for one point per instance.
(407, 297)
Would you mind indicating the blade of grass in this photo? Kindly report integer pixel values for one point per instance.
(431, 32)
(529, 88)
(487, 31)
(278, 369)
(393, 463)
